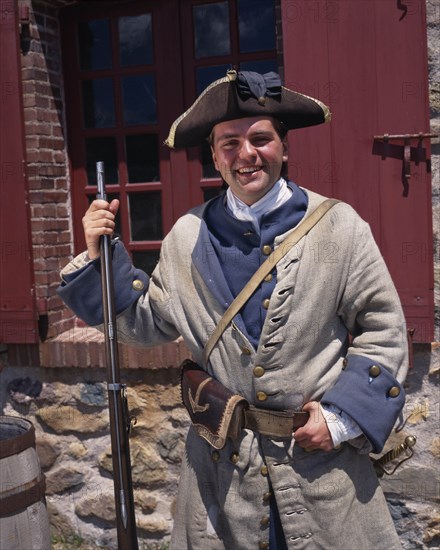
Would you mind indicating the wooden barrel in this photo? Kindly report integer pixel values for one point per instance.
(24, 521)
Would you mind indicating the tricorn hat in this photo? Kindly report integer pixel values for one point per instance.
(244, 94)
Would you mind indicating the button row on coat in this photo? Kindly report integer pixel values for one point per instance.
(265, 520)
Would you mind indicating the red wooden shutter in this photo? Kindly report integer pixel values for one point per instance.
(367, 61)
(18, 316)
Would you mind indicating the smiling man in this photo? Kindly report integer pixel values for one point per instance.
(249, 154)
(306, 379)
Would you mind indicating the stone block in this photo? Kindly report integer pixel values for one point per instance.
(68, 418)
(145, 501)
(413, 483)
(100, 506)
(63, 478)
(47, 450)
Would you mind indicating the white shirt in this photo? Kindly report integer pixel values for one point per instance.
(274, 198)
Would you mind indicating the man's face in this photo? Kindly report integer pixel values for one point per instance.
(248, 153)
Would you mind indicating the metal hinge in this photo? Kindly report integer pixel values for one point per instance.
(407, 139)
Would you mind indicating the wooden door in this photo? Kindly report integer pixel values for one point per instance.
(368, 62)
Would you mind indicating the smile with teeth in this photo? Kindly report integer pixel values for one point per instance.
(248, 169)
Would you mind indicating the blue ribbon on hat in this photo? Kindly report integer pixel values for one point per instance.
(251, 84)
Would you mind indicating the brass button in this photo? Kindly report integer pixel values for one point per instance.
(263, 545)
(374, 371)
(215, 456)
(246, 350)
(259, 371)
(235, 457)
(267, 496)
(394, 391)
(138, 285)
(264, 471)
(266, 249)
(266, 303)
(268, 277)
(264, 522)
(261, 396)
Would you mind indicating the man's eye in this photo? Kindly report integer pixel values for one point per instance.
(259, 142)
(229, 144)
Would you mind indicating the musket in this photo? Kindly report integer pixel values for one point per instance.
(120, 421)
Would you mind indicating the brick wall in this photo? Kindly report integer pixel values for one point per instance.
(47, 162)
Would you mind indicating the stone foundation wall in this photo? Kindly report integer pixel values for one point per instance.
(69, 411)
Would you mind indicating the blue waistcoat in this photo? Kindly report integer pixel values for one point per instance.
(240, 250)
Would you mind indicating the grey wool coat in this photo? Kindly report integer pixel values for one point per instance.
(333, 284)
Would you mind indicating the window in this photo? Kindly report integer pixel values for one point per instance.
(126, 82)
(222, 35)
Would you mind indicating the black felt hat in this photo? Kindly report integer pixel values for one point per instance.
(244, 94)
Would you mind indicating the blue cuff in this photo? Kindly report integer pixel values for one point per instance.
(81, 290)
(371, 395)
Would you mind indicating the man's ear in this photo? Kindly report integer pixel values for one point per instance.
(214, 159)
(285, 150)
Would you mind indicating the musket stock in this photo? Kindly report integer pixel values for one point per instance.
(117, 400)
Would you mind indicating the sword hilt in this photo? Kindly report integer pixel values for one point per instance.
(405, 447)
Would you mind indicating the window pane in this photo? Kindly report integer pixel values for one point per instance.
(211, 29)
(102, 149)
(139, 99)
(206, 75)
(256, 23)
(208, 168)
(98, 103)
(94, 45)
(263, 66)
(135, 40)
(146, 216)
(146, 260)
(142, 158)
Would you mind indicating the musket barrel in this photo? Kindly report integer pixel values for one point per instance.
(119, 417)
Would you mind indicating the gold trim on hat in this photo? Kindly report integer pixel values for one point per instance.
(170, 139)
(326, 110)
(231, 76)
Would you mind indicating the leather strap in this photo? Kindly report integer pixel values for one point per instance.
(291, 240)
(275, 424)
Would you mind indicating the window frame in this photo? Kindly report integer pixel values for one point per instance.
(181, 182)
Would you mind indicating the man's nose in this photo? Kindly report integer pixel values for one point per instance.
(247, 150)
